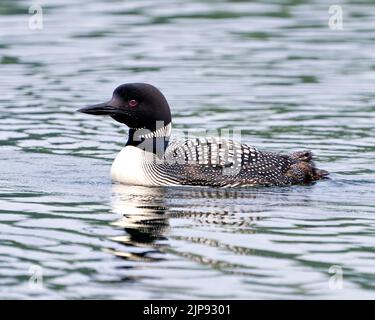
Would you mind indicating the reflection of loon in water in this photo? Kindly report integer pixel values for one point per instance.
(147, 212)
(144, 220)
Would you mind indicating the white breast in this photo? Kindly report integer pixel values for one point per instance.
(128, 167)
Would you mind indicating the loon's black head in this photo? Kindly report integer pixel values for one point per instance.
(138, 105)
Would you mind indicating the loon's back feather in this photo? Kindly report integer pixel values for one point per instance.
(222, 163)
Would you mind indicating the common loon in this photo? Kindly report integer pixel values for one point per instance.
(149, 159)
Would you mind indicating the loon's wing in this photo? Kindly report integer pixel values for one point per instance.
(214, 152)
(222, 162)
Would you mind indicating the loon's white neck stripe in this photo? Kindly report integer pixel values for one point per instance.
(159, 133)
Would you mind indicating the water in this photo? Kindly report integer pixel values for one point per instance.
(271, 68)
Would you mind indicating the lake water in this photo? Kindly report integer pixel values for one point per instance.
(273, 69)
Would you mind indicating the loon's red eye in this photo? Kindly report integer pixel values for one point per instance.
(133, 103)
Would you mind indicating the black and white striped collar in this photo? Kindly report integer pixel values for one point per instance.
(150, 140)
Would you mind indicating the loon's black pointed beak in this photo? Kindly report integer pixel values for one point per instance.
(109, 108)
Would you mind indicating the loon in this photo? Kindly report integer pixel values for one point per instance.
(150, 159)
